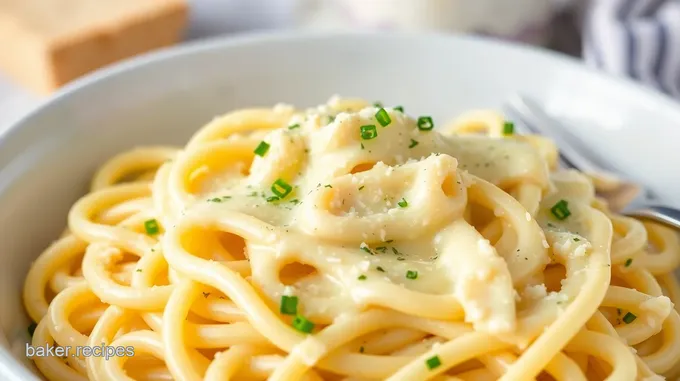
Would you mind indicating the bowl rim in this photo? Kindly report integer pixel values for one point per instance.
(222, 42)
(13, 368)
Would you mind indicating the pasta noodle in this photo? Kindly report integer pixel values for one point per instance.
(353, 242)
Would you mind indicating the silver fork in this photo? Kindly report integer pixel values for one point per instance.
(573, 154)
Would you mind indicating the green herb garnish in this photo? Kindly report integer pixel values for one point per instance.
(403, 203)
(629, 318)
(433, 362)
(302, 324)
(508, 128)
(628, 262)
(262, 148)
(151, 227)
(288, 305)
(410, 274)
(281, 188)
(561, 210)
(425, 123)
(383, 117)
(368, 132)
(413, 143)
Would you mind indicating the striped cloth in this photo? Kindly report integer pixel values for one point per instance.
(636, 38)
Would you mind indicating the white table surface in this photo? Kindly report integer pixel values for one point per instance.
(208, 18)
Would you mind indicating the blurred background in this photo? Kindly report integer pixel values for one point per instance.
(50, 42)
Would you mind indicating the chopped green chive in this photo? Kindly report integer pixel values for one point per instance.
(272, 199)
(377, 105)
(383, 117)
(262, 148)
(31, 328)
(362, 145)
(295, 201)
(629, 318)
(328, 186)
(508, 128)
(368, 132)
(139, 270)
(628, 262)
(389, 241)
(366, 249)
(302, 324)
(413, 143)
(151, 227)
(281, 188)
(433, 362)
(403, 203)
(289, 305)
(395, 251)
(361, 349)
(561, 210)
(399, 108)
(382, 270)
(293, 126)
(410, 274)
(361, 277)
(331, 119)
(576, 239)
(381, 249)
(216, 199)
(425, 123)
(362, 187)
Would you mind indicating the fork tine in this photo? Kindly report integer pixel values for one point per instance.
(533, 118)
(523, 129)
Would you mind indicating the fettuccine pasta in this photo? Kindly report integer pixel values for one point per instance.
(354, 242)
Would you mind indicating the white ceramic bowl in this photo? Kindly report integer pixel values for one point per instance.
(46, 159)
